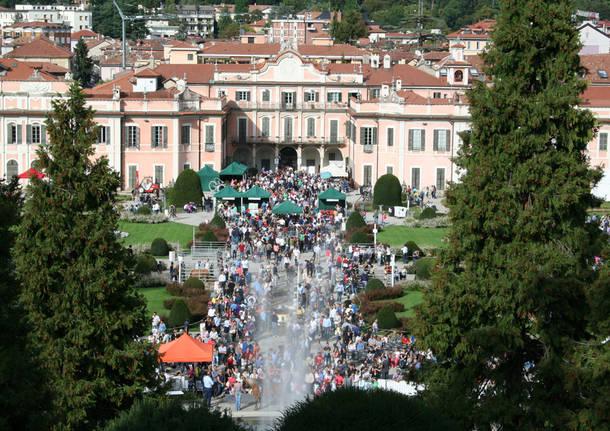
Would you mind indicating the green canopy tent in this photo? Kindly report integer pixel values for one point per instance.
(228, 193)
(254, 196)
(328, 199)
(235, 169)
(287, 207)
(206, 175)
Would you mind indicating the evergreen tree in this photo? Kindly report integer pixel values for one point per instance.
(24, 402)
(511, 301)
(83, 65)
(83, 315)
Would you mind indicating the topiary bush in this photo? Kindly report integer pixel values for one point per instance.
(423, 267)
(159, 247)
(145, 264)
(387, 318)
(193, 283)
(208, 235)
(169, 303)
(388, 191)
(427, 213)
(217, 221)
(179, 314)
(186, 189)
(412, 246)
(374, 284)
(354, 220)
(359, 237)
(144, 210)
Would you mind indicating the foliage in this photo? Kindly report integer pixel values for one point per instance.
(350, 28)
(387, 293)
(427, 213)
(168, 303)
(179, 314)
(440, 221)
(83, 65)
(374, 284)
(107, 21)
(83, 315)
(413, 247)
(144, 210)
(354, 220)
(159, 247)
(145, 264)
(355, 409)
(153, 414)
(423, 267)
(216, 221)
(194, 283)
(516, 290)
(388, 191)
(208, 235)
(129, 217)
(369, 309)
(359, 237)
(186, 189)
(387, 318)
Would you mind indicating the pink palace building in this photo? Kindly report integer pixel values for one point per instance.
(356, 119)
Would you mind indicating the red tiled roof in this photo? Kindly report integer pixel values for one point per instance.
(40, 48)
(403, 35)
(235, 67)
(85, 34)
(48, 67)
(147, 73)
(178, 44)
(593, 63)
(598, 95)
(24, 71)
(478, 30)
(409, 75)
(195, 73)
(36, 24)
(330, 51)
(237, 49)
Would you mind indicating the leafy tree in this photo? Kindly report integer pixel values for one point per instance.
(388, 191)
(82, 312)
(350, 28)
(241, 6)
(512, 302)
(354, 220)
(159, 247)
(22, 384)
(83, 65)
(107, 21)
(182, 31)
(187, 188)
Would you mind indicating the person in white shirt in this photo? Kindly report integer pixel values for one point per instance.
(208, 384)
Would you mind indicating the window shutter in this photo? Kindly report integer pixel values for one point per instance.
(43, 134)
(248, 96)
(374, 135)
(9, 133)
(164, 129)
(19, 133)
(354, 131)
(334, 126)
(447, 140)
(153, 132)
(328, 97)
(435, 143)
(317, 96)
(603, 142)
(390, 137)
(107, 135)
(28, 134)
(348, 129)
(209, 134)
(137, 143)
(340, 97)
(410, 139)
(423, 140)
(362, 136)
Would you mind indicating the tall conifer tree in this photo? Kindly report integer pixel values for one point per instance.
(510, 300)
(83, 313)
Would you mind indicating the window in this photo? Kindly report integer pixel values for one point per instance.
(209, 138)
(222, 93)
(334, 131)
(12, 169)
(417, 140)
(367, 176)
(311, 127)
(250, 40)
(477, 48)
(288, 129)
(440, 178)
(242, 130)
(389, 170)
(436, 95)
(158, 137)
(443, 72)
(132, 137)
(312, 96)
(185, 134)
(13, 133)
(132, 176)
(415, 178)
(374, 93)
(368, 135)
(390, 137)
(602, 74)
(333, 96)
(36, 134)
(603, 142)
(266, 96)
(189, 57)
(186, 166)
(242, 96)
(288, 99)
(441, 140)
(103, 136)
(474, 72)
(458, 76)
(266, 126)
(159, 174)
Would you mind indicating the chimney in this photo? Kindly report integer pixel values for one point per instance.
(387, 62)
(398, 84)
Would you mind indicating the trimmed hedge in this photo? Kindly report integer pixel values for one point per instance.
(144, 210)
(374, 284)
(169, 303)
(387, 293)
(145, 264)
(423, 267)
(193, 283)
(354, 220)
(179, 314)
(427, 213)
(187, 189)
(217, 221)
(387, 318)
(388, 191)
(159, 247)
(412, 246)
(359, 237)
(208, 235)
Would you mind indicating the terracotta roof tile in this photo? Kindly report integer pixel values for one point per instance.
(237, 49)
(593, 64)
(22, 71)
(147, 73)
(36, 24)
(40, 48)
(409, 75)
(85, 34)
(598, 95)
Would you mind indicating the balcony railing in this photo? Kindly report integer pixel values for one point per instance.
(299, 140)
(210, 148)
(305, 106)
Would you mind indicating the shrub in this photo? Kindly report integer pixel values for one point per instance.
(186, 189)
(159, 247)
(412, 246)
(359, 237)
(387, 293)
(427, 213)
(350, 408)
(179, 314)
(216, 221)
(374, 284)
(144, 210)
(198, 306)
(169, 303)
(174, 289)
(423, 267)
(354, 220)
(370, 308)
(145, 264)
(388, 191)
(193, 283)
(208, 235)
(386, 318)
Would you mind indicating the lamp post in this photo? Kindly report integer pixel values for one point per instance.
(375, 236)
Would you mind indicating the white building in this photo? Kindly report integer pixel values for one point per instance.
(593, 39)
(74, 16)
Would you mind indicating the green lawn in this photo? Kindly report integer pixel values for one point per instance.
(396, 236)
(144, 233)
(410, 299)
(154, 298)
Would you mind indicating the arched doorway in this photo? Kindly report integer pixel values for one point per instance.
(288, 158)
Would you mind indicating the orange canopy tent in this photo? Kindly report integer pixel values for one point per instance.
(186, 349)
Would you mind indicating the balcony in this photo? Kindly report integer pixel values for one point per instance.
(210, 147)
(294, 140)
(367, 148)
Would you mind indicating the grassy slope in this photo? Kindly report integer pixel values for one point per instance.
(410, 299)
(154, 298)
(144, 233)
(396, 236)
